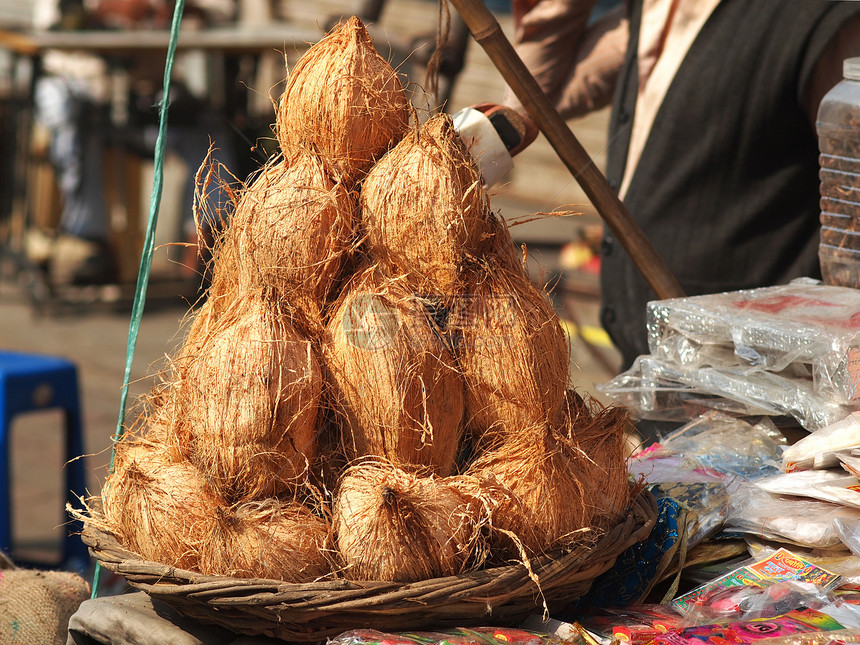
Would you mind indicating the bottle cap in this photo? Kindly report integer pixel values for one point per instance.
(851, 69)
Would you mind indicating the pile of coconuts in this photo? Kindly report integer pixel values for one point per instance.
(372, 388)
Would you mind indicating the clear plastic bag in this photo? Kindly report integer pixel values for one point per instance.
(850, 462)
(835, 637)
(657, 468)
(848, 530)
(656, 389)
(729, 445)
(746, 602)
(821, 449)
(839, 561)
(833, 485)
(698, 464)
(744, 632)
(805, 326)
(805, 522)
(459, 636)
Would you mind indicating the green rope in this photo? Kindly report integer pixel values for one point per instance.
(148, 244)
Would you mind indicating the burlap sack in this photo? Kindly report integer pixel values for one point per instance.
(35, 606)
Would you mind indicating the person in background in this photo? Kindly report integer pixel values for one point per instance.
(72, 105)
(712, 144)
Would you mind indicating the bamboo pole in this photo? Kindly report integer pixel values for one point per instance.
(487, 32)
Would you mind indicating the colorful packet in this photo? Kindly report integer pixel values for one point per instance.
(742, 632)
(636, 624)
(781, 565)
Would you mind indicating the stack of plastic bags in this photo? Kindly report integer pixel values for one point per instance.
(733, 476)
(790, 350)
(814, 501)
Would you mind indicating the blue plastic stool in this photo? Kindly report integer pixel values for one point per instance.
(33, 382)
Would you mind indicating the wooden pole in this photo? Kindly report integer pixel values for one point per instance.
(487, 32)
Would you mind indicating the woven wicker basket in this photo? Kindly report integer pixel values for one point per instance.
(314, 611)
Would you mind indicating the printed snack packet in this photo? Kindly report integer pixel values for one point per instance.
(742, 632)
(636, 624)
(779, 566)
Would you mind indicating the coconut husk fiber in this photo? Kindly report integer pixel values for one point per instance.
(600, 432)
(512, 352)
(344, 102)
(491, 496)
(270, 539)
(152, 417)
(332, 459)
(393, 381)
(499, 248)
(250, 398)
(552, 490)
(160, 422)
(202, 325)
(159, 508)
(423, 209)
(292, 233)
(395, 525)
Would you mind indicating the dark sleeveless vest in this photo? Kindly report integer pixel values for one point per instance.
(727, 186)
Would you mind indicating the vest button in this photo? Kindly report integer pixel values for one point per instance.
(607, 316)
(613, 185)
(623, 115)
(607, 245)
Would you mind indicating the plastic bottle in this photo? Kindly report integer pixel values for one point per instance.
(838, 126)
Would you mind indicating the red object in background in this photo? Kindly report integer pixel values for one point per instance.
(592, 266)
(579, 256)
(131, 14)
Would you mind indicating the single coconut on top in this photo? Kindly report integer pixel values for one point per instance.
(343, 101)
(292, 233)
(512, 352)
(423, 209)
(394, 525)
(250, 399)
(394, 384)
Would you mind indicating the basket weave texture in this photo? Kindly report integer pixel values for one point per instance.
(312, 612)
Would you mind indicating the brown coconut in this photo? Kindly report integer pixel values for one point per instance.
(394, 384)
(268, 539)
(159, 508)
(513, 354)
(423, 208)
(163, 418)
(203, 325)
(344, 102)
(499, 248)
(395, 525)
(601, 433)
(489, 495)
(551, 493)
(292, 232)
(161, 422)
(250, 399)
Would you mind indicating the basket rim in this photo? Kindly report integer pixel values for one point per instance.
(317, 611)
(550, 569)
